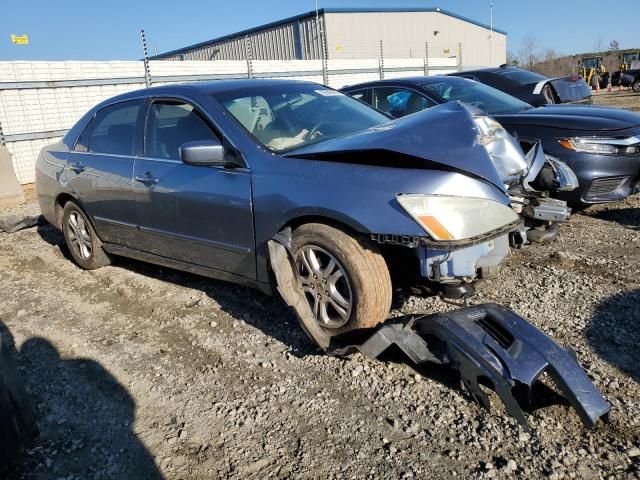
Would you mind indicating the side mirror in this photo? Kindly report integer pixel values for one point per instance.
(203, 152)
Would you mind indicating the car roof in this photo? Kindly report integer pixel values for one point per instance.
(489, 70)
(206, 87)
(408, 81)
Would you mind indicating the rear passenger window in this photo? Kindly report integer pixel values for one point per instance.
(171, 124)
(361, 95)
(399, 102)
(112, 130)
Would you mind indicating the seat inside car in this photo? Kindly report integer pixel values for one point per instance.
(168, 140)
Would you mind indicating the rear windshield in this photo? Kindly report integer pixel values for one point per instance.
(522, 77)
(291, 115)
(474, 93)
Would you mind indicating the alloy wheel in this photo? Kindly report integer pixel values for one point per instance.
(326, 286)
(79, 235)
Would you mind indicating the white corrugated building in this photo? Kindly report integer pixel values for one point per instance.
(355, 33)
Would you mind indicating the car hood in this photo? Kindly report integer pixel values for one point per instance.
(442, 137)
(573, 117)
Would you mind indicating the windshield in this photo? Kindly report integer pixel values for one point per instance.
(522, 77)
(289, 115)
(475, 93)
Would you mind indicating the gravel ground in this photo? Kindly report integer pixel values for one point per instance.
(140, 372)
(626, 99)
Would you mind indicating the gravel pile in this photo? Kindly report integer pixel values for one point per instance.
(136, 371)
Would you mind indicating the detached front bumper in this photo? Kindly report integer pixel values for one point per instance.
(486, 342)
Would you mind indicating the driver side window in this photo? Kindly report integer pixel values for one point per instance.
(171, 124)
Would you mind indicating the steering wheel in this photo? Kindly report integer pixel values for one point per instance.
(315, 129)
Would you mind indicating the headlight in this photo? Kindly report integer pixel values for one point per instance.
(448, 218)
(603, 145)
(504, 151)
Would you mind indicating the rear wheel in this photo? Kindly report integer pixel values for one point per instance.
(345, 280)
(548, 94)
(83, 243)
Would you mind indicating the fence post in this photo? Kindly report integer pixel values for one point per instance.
(459, 57)
(325, 66)
(381, 61)
(147, 72)
(426, 59)
(248, 56)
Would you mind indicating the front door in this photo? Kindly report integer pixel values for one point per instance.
(196, 214)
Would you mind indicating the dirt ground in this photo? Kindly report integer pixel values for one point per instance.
(141, 372)
(626, 99)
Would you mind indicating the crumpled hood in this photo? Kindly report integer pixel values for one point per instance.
(573, 117)
(444, 136)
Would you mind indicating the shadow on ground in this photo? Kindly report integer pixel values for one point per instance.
(628, 217)
(267, 313)
(613, 332)
(275, 319)
(84, 417)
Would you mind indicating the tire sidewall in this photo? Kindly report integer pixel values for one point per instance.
(92, 262)
(320, 238)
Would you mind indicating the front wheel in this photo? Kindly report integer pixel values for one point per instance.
(635, 86)
(345, 280)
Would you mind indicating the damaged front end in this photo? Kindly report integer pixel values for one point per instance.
(484, 343)
(528, 179)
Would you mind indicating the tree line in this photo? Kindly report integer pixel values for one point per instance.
(533, 56)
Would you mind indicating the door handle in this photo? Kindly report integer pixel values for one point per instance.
(147, 179)
(77, 167)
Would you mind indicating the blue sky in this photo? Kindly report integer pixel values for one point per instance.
(109, 30)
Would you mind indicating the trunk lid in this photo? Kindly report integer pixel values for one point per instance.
(571, 89)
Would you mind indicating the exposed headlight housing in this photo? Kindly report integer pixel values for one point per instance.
(504, 151)
(450, 218)
(603, 145)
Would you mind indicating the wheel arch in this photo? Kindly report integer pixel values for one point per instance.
(61, 200)
(340, 222)
(302, 217)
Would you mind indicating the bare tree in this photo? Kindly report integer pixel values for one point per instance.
(549, 54)
(529, 52)
(512, 59)
(599, 44)
(614, 46)
(547, 64)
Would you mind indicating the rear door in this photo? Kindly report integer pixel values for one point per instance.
(100, 170)
(201, 215)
